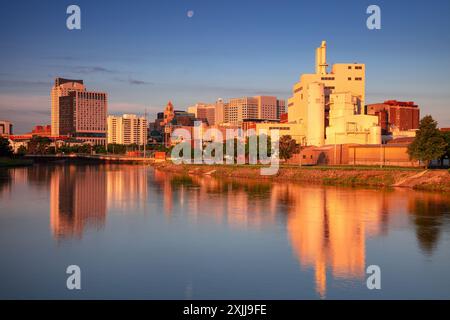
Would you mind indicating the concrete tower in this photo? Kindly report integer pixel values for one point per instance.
(316, 112)
(321, 58)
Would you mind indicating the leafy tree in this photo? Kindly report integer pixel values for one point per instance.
(259, 140)
(234, 152)
(446, 155)
(38, 145)
(5, 148)
(85, 148)
(51, 150)
(429, 143)
(99, 149)
(133, 147)
(21, 151)
(116, 148)
(287, 147)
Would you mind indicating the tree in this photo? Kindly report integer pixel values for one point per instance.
(21, 151)
(429, 143)
(99, 149)
(287, 147)
(38, 145)
(116, 148)
(260, 139)
(446, 155)
(5, 148)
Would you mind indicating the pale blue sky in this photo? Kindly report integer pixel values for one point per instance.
(144, 53)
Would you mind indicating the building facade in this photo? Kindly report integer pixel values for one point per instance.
(259, 107)
(344, 77)
(6, 128)
(82, 115)
(204, 112)
(127, 129)
(61, 88)
(346, 126)
(395, 115)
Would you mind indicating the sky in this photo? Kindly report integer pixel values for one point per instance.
(144, 53)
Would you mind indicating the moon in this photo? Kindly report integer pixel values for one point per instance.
(190, 13)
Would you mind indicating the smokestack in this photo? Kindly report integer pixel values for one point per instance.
(321, 58)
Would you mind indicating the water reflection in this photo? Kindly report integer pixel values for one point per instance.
(80, 196)
(5, 180)
(429, 215)
(77, 199)
(327, 228)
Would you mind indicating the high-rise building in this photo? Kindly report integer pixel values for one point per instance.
(204, 112)
(127, 129)
(61, 88)
(260, 107)
(344, 77)
(82, 115)
(6, 128)
(219, 116)
(78, 113)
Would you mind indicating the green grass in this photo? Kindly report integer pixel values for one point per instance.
(315, 167)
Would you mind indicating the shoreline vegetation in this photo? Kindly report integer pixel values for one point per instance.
(437, 180)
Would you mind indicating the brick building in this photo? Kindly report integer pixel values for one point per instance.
(395, 115)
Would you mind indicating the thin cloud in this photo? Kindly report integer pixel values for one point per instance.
(63, 58)
(22, 83)
(90, 69)
(135, 81)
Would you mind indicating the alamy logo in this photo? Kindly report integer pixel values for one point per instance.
(374, 280)
(374, 20)
(73, 21)
(209, 147)
(74, 280)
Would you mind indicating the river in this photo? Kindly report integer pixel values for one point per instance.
(136, 232)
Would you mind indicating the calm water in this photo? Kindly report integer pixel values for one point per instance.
(140, 233)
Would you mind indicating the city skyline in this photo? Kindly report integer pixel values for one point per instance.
(163, 54)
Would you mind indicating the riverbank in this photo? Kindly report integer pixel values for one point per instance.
(9, 163)
(419, 179)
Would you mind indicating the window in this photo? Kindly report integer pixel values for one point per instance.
(349, 78)
(358, 79)
(349, 67)
(358, 67)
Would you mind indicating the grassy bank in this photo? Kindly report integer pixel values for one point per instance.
(8, 162)
(432, 180)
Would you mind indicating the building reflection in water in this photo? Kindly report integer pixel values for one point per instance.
(77, 199)
(327, 227)
(126, 187)
(81, 195)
